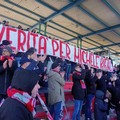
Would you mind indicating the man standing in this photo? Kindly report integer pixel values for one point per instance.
(78, 90)
(55, 90)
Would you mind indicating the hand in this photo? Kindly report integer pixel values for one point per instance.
(45, 68)
(35, 58)
(45, 77)
(114, 84)
(89, 66)
(10, 62)
(83, 67)
(50, 59)
(106, 100)
(5, 64)
(109, 83)
(42, 58)
(62, 74)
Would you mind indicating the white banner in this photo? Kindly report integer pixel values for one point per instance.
(23, 40)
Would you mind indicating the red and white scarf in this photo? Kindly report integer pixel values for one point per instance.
(24, 98)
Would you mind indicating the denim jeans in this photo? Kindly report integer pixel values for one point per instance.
(88, 112)
(68, 71)
(77, 109)
(55, 110)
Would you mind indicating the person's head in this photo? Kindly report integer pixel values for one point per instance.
(113, 77)
(56, 66)
(4, 22)
(99, 73)
(20, 27)
(99, 94)
(6, 43)
(31, 53)
(26, 80)
(7, 23)
(6, 51)
(77, 67)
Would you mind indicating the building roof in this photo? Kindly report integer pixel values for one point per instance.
(95, 22)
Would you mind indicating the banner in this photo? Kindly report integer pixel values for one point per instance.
(23, 40)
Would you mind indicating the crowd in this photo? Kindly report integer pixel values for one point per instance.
(94, 91)
(35, 30)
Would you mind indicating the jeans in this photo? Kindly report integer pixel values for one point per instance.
(68, 71)
(77, 109)
(55, 110)
(88, 112)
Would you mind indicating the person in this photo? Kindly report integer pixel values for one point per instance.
(5, 23)
(30, 56)
(101, 106)
(101, 81)
(114, 89)
(5, 43)
(37, 62)
(7, 67)
(55, 90)
(78, 90)
(21, 96)
(91, 89)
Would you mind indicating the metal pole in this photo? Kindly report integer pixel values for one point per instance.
(45, 25)
(39, 28)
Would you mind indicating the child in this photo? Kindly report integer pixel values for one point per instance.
(101, 105)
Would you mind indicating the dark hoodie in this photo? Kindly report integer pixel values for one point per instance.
(100, 108)
(12, 109)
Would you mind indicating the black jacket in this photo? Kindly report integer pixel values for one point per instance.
(14, 110)
(77, 91)
(115, 91)
(101, 84)
(90, 83)
(6, 76)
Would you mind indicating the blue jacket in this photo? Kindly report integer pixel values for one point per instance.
(100, 108)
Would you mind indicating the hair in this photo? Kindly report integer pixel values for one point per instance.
(30, 51)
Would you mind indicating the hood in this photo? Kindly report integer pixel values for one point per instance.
(99, 94)
(51, 73)
(24, 80)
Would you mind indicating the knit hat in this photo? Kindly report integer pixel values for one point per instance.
(24, 80)
(99, 94)
(6, 42)
(55, 64)
(9, 49)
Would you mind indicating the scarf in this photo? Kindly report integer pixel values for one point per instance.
(24, 98)
(77, 72)
(2, 58)
(55, 71)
